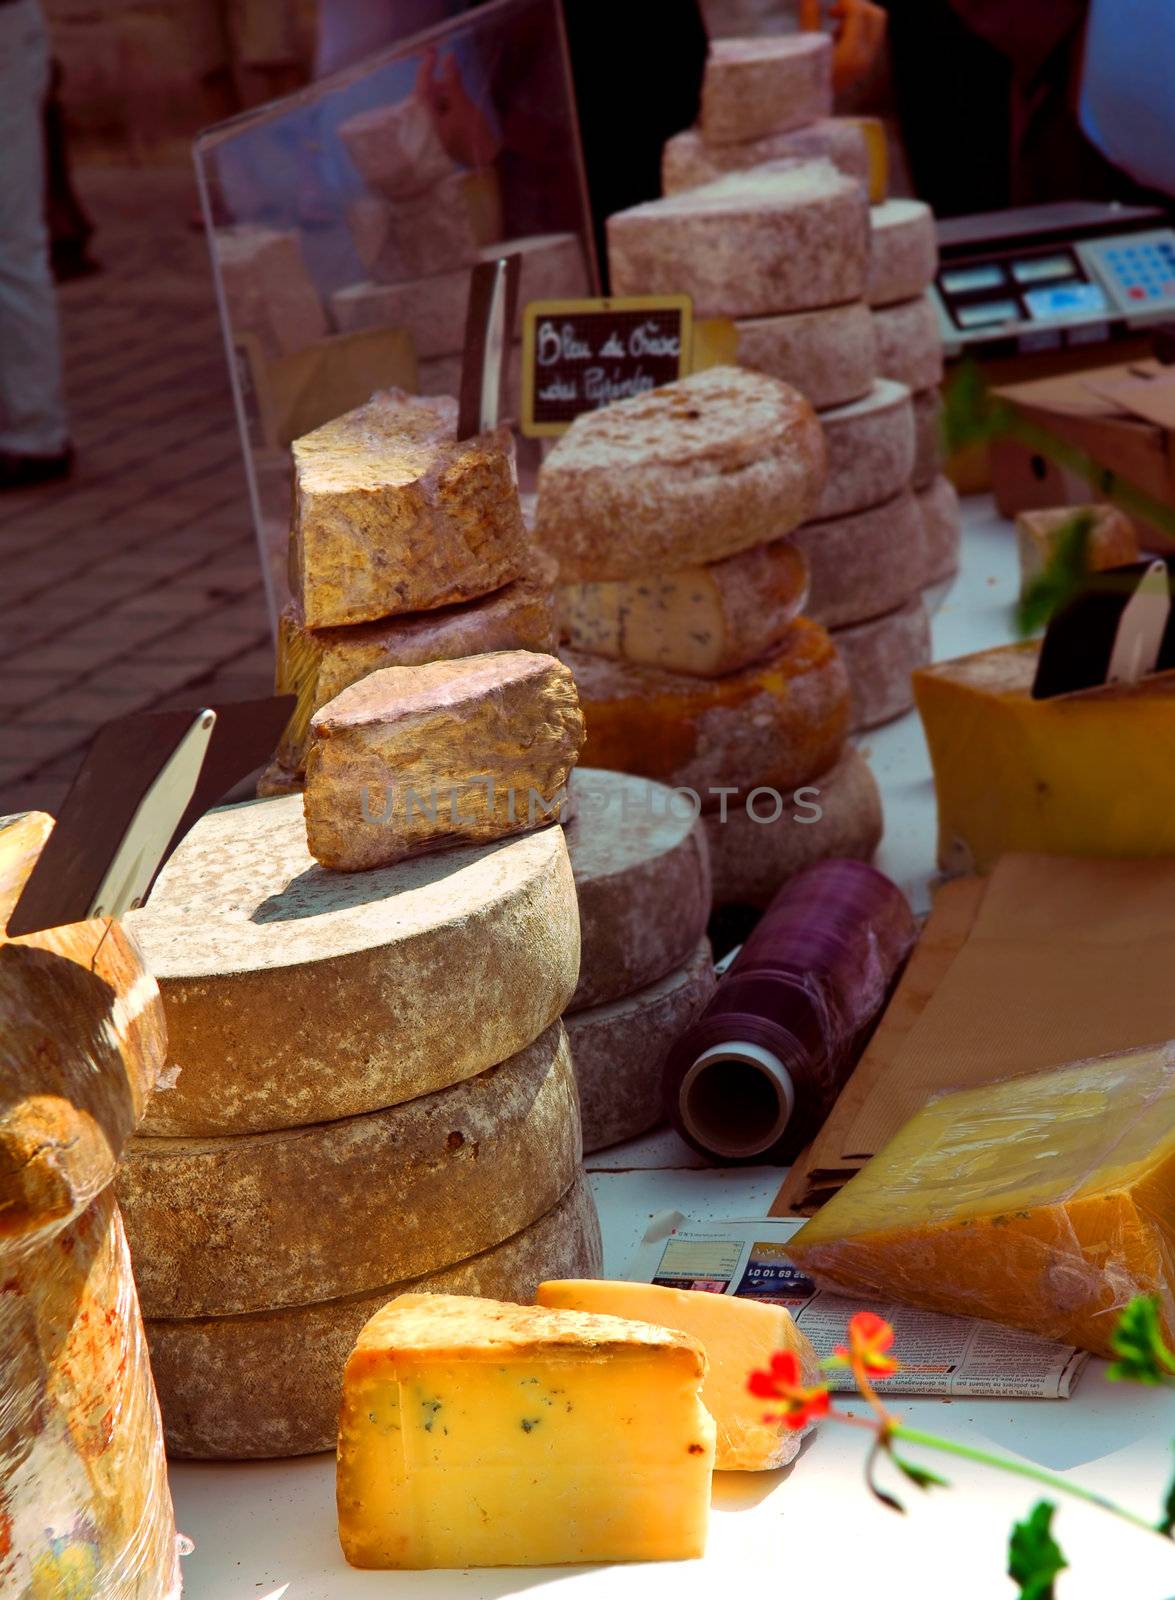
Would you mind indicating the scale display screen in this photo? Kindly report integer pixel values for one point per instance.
(1044, 269)
(986, 312)
(1065, 300)
(966, 280)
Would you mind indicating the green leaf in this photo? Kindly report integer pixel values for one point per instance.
(970, 415)
(1137, 1341)
(1034, 1556)
(1167, 1524)
(922, 1476)
(1064, 572)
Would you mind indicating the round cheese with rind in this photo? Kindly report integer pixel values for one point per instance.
(943, 529)
(905, 251)
(871, 446)
(864, 564)
(829, 355)
(880, 656)
(295, 995)
(909, 343)
(687, 161)
(764, 85)
(928, 441)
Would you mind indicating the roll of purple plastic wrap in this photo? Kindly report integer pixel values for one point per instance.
(754, 1078)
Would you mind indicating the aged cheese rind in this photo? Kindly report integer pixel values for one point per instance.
(909, 343)
(618, 1050)
(82, 1043)
(738, 1335)
(237, 1224)
(829, 355)
(1046, 1202)
(871, 445)
(267, 289)
(1112, 540)
(785, 236)
(476, 1433)
(880, 656)
(706, 620)
(453, 752)
(396, 148)
(1084, 774)
(85, 1507)
(267, 1384)
(942, 526)
(928, 449)
(779, 722)
(905, 251)
(642, 879)
(759, 86)
(751, 860)
(692, 472)
(687, 161)
(437, 230)
(863, 565)
(316, 664)
(392, 514)
(293, 995)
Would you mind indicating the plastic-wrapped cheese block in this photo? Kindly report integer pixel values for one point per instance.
(642, 877)
(1045, 1202)
(870, 450)
(232, 1224)
(295, 995)
(316, 664)
(267, 1383)
(765, 85)
(865, 564)
(905, 251)
(778, 723)
(704, 620)
(687, 161)
(396, 148)
(942, 529)
(619, 1048)
(698, 470)
(928, 448)
(268, 290)
(756, 846)
(786, 236)
(829, 355)
(909, 343)
(880, 656)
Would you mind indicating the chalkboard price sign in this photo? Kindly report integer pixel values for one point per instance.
(579, 355)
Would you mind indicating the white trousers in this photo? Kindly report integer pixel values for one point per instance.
(32, 407)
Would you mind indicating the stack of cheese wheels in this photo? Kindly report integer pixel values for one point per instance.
(373, 1093)
(680, 603)
(642, 877)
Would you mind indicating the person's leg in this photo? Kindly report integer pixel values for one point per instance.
(32, 408)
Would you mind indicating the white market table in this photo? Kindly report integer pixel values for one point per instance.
(266, 1530)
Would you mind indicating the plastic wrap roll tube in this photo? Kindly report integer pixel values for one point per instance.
(757, 1074)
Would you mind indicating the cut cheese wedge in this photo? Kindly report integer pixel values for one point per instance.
(738, 1336)
(479, 1434)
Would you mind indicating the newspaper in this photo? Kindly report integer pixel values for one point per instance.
(940, 1355)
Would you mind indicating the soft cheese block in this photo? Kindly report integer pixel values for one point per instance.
(1045, 1202)
(871, 446)
(753, 87)
(705, 620)
(479, 1434)
(452, 752)
(1112, 540)
(777, 723)
(687, 161)
(396, 148)
(392, 514)
(689, 473)
(1086, 774)
(439, 229)
(881, 655)
(905, 251)
(267, 289)
(909, 343)
(829, 355)
(864, 564)
(785, 236)
(738, 1336)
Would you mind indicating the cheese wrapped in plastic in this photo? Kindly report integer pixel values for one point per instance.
(1044, 1202)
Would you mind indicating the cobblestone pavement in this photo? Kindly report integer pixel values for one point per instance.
(136, 583)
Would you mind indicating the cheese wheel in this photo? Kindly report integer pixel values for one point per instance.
(268, 1384)
(829, 355)
(909, 343)
(239, 1224)
(779, 722)
(839, 814)
(295, 995)
(757, 86)
(864, 564)
(642, 876)
(85, 1507)
(880, 656)
(928, 443)
(692, 472)
(870, 450)
(619, 1050)
(687, 161)
(786, 236)
(942, 529)
(905, 251)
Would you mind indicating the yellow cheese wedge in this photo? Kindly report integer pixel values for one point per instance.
(738, 1337)
(1086, 774)
(1045, 1202)
(479, 1434)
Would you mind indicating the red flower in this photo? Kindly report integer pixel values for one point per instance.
(802, 1404)
(870, 1337)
